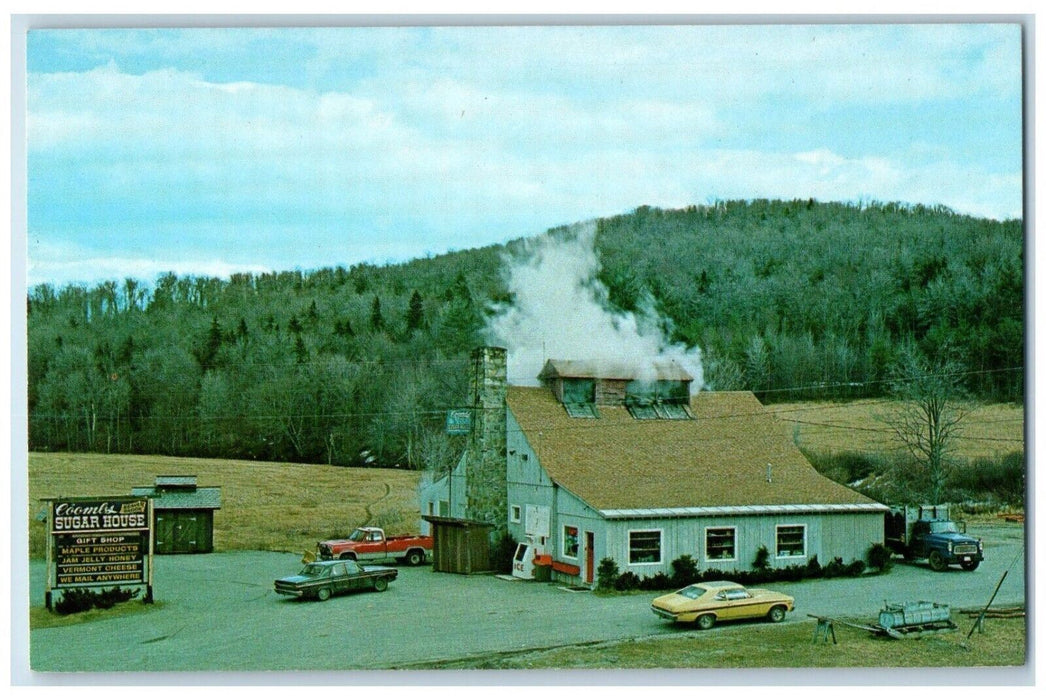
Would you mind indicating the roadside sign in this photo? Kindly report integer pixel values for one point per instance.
(459, 421)
(99, 541)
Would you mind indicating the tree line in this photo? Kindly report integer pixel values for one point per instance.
(355, 366)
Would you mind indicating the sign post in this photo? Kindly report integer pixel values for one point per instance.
(97, 542)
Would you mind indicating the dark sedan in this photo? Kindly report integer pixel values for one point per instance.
(322, 579)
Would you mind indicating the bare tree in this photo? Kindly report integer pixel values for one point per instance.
(927, 422)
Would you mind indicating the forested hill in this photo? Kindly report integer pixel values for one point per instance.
(793, 300)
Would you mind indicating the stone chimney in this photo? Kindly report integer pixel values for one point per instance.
(486, 488)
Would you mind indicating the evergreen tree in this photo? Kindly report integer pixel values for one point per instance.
(415, 312)
(377, 321)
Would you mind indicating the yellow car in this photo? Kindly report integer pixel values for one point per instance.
(704, 603)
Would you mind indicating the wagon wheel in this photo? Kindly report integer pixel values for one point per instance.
(970, 565)
(776, 614)
(380, 584)
(705, 622)
(937, 562)
(415, 557)
(323, 594)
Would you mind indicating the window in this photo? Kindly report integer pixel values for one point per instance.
(791, 540)
(652, 400)
(515, 514)
(642, 411)
(579, 391)
(579, 398)
(644, 547)
(570, 542)
(720, 543)
(444, 508)
(581, 410)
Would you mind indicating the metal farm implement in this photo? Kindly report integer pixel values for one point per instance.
(909, 620)
(912, 620)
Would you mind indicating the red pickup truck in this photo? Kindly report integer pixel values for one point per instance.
(370, 543)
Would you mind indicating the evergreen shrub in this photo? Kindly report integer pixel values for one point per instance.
(880, 557)
(626, 582)
(684, 571)
(503, 552)
(606, 574)
(76, 600)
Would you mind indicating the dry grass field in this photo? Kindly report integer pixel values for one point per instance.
(283, 507)
(289, 507)
(859, 426)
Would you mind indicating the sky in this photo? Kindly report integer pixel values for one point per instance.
(212, 151)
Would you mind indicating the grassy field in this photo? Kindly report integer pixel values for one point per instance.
(283, 507)
(760, 646)
(858, 426)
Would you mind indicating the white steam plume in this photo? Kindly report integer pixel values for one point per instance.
(560, 311)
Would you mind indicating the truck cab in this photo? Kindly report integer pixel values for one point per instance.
(945, 543)
(371, 543)
(927, 532)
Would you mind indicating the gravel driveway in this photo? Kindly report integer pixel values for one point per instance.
(219, 612)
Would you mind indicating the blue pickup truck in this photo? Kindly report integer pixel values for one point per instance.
(927, 532)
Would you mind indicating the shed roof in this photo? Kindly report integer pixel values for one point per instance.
(623, 466)
(176, 481)
(592, 369)
(202, 498)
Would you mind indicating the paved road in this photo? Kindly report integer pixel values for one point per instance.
(219, 612)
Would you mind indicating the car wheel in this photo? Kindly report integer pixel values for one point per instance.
(937, 562)
(970, 565)
(776, 614)
(323, 594)
(705, 622)
(350, 556)
(415, 557)
(380, 584)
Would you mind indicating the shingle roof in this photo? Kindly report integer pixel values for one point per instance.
(719, 459)
(203, 498)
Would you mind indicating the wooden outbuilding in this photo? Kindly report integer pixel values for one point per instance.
(460, 546)
(183, 514)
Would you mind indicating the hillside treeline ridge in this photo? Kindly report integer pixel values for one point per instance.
(357, 365)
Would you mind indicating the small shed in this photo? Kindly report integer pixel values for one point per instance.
(183, 514)
(460, 546)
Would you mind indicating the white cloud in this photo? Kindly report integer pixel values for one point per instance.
(459, 137)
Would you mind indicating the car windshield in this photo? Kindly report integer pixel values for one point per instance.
(943, 526)
(313, 570)
(692, 592)
(358, 535)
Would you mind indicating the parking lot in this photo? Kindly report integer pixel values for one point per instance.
(219, 612)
